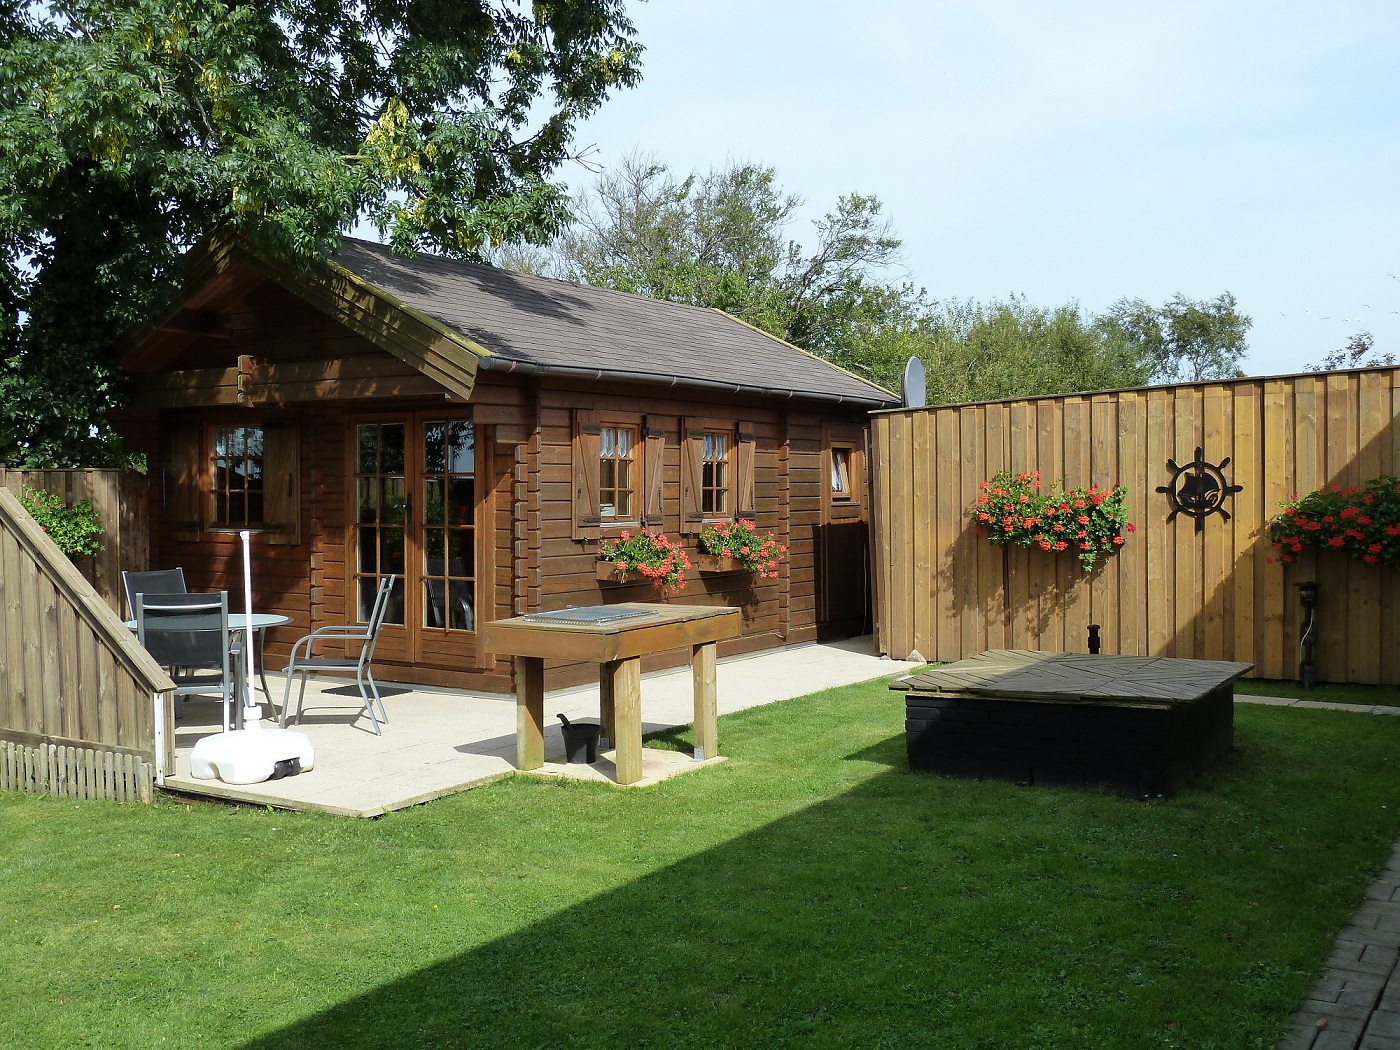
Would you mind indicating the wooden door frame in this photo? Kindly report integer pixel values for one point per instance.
(414, 418)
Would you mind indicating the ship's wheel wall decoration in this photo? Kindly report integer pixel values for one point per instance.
(1199, 489)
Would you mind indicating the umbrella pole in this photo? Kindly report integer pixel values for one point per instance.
(252, 711)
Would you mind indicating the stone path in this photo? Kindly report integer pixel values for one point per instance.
(1356, 1004)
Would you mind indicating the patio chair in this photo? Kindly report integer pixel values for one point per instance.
(156, 581)
(189, 633)
(305, 663)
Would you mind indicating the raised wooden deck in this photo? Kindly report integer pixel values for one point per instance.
(1145, 726)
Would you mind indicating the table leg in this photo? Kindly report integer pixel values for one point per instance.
(529, 712)
(626, 689)
(607, 708)
(702, 669)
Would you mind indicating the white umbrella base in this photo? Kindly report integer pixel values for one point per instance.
(250, 756)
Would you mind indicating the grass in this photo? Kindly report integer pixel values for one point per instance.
(809, 892)
(1327, 692)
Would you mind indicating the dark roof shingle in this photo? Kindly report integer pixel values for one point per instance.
(538, 323)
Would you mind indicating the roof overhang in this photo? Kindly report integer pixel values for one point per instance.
(448, 358)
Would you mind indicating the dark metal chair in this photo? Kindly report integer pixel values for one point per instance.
(304, 663)
(155, 581)
(190, 633)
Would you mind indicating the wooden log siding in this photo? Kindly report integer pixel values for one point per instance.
(120, 498)
(948, 594)
(84, 710)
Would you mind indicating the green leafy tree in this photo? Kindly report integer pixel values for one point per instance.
(1186, 340)
(1359, 352)
(719, 239)
(131, 129)
(1002, 349)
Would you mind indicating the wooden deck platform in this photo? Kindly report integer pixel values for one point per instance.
(1145, 726)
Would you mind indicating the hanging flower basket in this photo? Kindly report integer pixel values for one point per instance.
(1089, 522)
(1363, 521)
(743, 547)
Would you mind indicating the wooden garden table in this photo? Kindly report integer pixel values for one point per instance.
(617, 647)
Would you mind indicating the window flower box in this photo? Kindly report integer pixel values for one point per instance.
(717, 564)
(607, 572)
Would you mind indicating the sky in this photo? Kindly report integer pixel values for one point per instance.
(1064, 151)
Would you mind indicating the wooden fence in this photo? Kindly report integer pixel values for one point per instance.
(120, 499)
(84, 710)
(945, 592)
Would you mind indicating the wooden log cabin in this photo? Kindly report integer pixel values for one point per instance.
(478, 432)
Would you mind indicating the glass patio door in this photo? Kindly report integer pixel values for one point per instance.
(415, 517)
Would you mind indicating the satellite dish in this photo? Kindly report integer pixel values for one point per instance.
(915, 385)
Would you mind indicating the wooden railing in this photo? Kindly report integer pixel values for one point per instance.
(85, 712)
(945, 592)
(120, 499)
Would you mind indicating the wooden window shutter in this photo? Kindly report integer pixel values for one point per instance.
(654, 456)
(692, 474)
(587, 447)
(184, 501)
(281, 488)
(745, 460)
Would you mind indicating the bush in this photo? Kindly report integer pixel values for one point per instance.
(77, 529)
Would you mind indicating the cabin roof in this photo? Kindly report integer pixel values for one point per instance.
(542, 325)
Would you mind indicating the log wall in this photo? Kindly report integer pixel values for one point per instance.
(946, 593)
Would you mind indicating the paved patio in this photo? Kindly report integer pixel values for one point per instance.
(440, 741)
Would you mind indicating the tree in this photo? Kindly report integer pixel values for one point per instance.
(719, 239)
(1358, 353)
(1005, 349)
(1184, 339)
(131, 129)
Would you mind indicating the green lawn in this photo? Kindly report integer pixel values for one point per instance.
(1326, 692)
(810, 892)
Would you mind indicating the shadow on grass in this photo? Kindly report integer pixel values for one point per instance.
(913, 910)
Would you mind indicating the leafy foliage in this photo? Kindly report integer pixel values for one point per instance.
(1010, 348)
(662, 561)
(77, 530)
(131, 129)
(1090, 521)
(1359, 352)
(1184, 340)
(758, 554)
(719, 239)
(1364, 521)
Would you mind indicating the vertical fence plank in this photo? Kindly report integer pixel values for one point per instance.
(1132, 568)
(970, 550)
(1022, 427)
(1050, 457)
(1103, 471)
(1214, 576)
(1245, 524)
(924, 580)
(951, 522)
(1078, 442)
(902, 526)
(995, 595)
(1364, 637)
